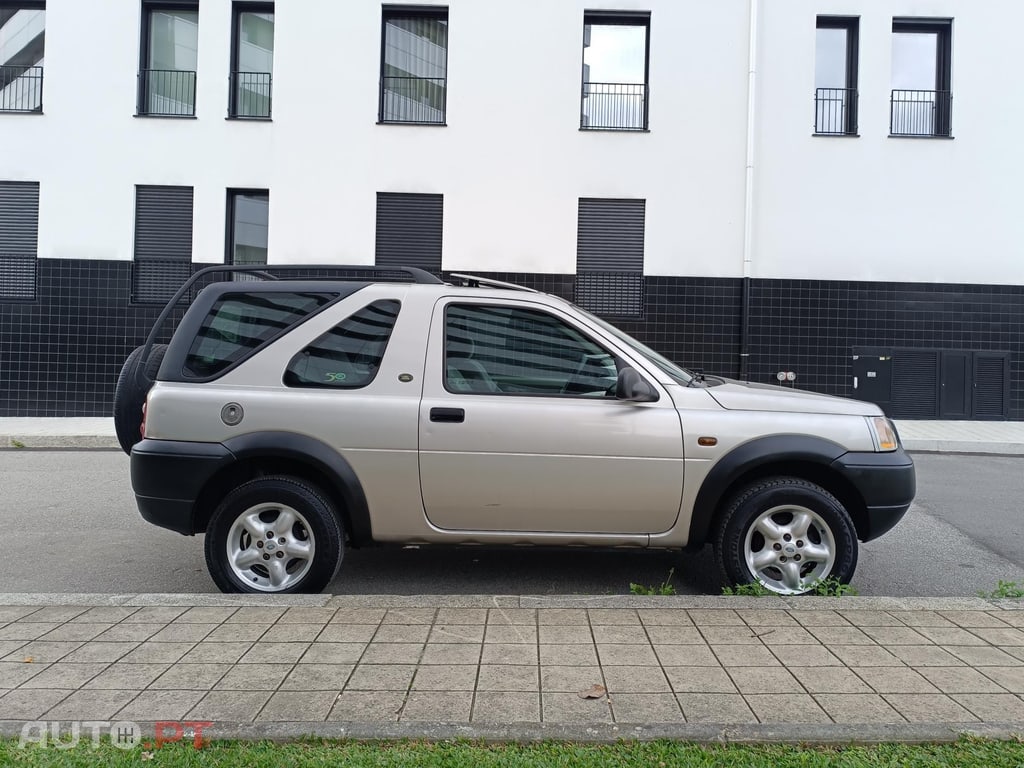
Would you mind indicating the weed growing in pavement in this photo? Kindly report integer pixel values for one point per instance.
(665, 588)
(755, 589)
(17, 443)
(1003, 590)
(830, 587)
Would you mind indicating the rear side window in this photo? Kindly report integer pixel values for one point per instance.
(239, 323)
(349, 355)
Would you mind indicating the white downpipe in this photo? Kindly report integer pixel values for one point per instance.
(748, 207)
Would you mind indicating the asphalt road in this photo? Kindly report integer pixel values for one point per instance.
(70, 524)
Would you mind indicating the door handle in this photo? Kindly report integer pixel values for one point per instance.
(453, 415)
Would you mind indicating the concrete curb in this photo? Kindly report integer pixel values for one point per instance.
(925, 445)
(59, 442)
(598, 733)
(678, 602)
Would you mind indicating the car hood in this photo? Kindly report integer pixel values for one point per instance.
(745, 396)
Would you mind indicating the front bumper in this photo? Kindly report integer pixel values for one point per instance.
(168, 476)
(886, 482)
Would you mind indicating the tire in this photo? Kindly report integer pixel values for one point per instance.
(133, 384)
(751, 543)
(241, 535)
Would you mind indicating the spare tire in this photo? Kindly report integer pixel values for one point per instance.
(133, 384)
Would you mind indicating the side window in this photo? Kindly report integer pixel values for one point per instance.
(239, 323)
(508, 350)
(347, 356)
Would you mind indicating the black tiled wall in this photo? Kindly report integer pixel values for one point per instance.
(60, 355)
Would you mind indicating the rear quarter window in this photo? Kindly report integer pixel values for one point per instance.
(349, 355)
(240, 323)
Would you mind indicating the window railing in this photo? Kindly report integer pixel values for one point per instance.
(920, 113)
(21, 89)
(250, 94)
(413, 100)
(614, 106)
(167, 92)
(835, 111)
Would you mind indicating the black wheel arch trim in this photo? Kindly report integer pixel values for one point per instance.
(747, 457)
(327, 461)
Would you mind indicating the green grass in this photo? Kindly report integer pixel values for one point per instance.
(967, 753)
(16, 443)
(665, 588)
(1004, 589)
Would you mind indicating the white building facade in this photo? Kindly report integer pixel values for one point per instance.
(826, 187)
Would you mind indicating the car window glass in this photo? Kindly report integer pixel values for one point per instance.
(512, 350)
(349, 355)
(238, 323)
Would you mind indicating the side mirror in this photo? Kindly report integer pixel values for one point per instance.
(633, 387)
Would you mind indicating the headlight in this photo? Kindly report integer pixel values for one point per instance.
(883, 433)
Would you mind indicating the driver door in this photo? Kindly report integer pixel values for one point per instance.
(520, 429)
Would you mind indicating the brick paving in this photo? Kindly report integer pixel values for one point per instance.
(500, 665)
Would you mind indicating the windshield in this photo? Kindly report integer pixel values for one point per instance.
(678, 373)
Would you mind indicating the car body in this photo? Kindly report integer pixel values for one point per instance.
(427, 412)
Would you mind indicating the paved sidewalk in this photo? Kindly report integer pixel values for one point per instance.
(986, 437)
(703, 668)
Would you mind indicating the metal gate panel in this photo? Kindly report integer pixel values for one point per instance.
(915, 383)
(991, 385)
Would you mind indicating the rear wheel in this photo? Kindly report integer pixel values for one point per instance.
(133, 384)
(274, 535)
(787, 534)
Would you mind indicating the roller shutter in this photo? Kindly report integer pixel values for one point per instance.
(19, 234)
(610, 256)
(163, 241)
(409, 230)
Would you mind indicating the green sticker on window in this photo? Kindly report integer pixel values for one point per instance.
(333, 377)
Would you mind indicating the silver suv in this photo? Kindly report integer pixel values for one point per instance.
(288, 418)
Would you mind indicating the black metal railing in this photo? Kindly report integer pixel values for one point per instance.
(21, 89)
(250, 94)
(413, 99)
(167, 92)
(615, 106)
(835, 111)
(920, 113)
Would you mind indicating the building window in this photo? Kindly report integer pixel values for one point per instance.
(835, 76)
(19, 234)
(921, 77)
(170, 47)
(616, 51)
(414, 65)
(163, 242)
(248, 212)
(409, 230)
(252, 59)
(610, 256)
(22, 35)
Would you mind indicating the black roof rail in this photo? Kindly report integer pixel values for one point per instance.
(264, 271)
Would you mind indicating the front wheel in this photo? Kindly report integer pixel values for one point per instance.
(274, 535)
(787, 534)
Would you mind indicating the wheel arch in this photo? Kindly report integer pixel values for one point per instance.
(286, 453)
(802, 456)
